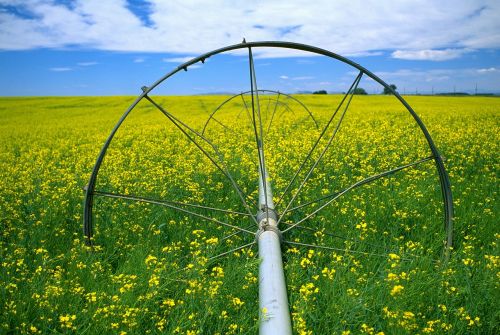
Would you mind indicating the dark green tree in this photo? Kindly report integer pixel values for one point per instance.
(320, 92)
(388, 91)
(359, 91)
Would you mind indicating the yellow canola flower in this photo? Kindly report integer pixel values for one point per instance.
(307, 290)
(150, 260)
(66, 321)
(394, 257)
(305, 262)
(217, 272)
(212, 240)
(154, 280)
(237, 302)
(397, 289)
(493, 261)
(392, 277)
(329, 273)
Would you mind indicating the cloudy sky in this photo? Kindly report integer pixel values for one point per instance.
(109, 47)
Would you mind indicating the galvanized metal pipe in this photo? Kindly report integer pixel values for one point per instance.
(273, 300)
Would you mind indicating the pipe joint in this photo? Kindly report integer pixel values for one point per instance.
(265, 212)
(264, 226)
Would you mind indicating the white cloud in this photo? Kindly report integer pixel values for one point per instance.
(60, 69)
(427, 29)
(363, 54)
(297, 78)
(139, 60)
(86, 63)
(178, 59)
(488, 70)
(419, 75)
(303, 78)
(432, 55)
(443, 80)
(305, 61)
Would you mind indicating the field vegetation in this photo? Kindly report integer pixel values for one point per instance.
(155, 270)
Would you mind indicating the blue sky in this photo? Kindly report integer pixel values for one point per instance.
(113, 47)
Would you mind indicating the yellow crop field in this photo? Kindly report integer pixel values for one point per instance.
(156, 269)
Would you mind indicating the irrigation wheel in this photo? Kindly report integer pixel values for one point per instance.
(209, 177)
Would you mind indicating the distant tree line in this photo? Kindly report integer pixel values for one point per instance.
(393, 88)
(362, 91)
(359, 91)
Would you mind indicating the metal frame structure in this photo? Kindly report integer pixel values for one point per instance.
(272, 288)
(212, 115)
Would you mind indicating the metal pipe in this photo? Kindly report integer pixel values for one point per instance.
(273, 300)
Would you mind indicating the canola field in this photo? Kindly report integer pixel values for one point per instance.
(152, 269)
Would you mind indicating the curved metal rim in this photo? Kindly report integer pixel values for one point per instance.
(443, 176)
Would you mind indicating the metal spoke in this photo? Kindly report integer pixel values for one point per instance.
(178, 123)
(258, 139)
(355, 185)
(215, 111)
(312, 230)
(170, 202)
(235, 233)
(209, 259)
(239, 113)
(274, 112)
(363, 182)
(247, 109)
(224, 126)
(266, 113)
(340, 249)
(356, 82)
(302, 165)
(224, 170)
(341, 237)
(328, 196)
(250, 123)
(232, 250)
(160, 203)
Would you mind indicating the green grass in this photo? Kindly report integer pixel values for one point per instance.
(133, 280)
